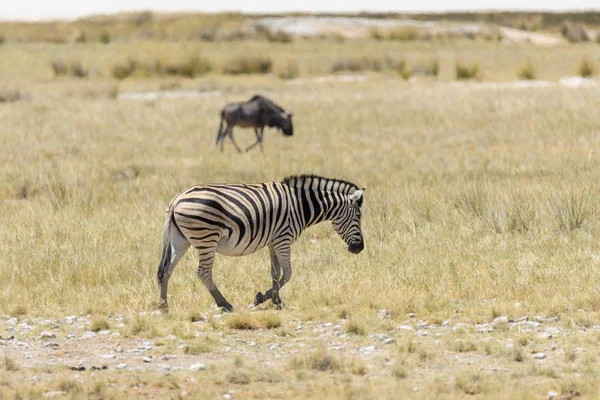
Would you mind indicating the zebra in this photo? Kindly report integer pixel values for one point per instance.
(240, 219)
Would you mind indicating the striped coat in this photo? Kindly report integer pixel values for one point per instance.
(240, 219)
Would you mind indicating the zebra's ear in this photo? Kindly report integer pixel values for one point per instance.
(356, 196)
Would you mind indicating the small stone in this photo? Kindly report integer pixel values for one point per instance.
(404, 328)
(411, 315)
(227, 396)
(539, 356)
(517, 304)
(51, 344)
(500, 320)
(88, 335)
(389, 341)
(367, 349)
(165, 367)
(167, 357)
(422, 332)
(146, 359)
(108, 356)
(482, 328)
(12, 321)
(54, 393)
(446, 322)
(273, 346)
(383, 313)
(47, 335)
(197, 367)
(552, 395)
(122, 366)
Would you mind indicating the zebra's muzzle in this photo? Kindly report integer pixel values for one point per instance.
(356, 247)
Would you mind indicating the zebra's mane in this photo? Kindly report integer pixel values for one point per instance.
(320, 183)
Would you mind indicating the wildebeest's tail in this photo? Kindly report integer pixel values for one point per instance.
(165, 258)
(221, 131)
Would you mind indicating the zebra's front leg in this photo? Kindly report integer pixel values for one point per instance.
(275, 274)
(205, 275)
(280, 262)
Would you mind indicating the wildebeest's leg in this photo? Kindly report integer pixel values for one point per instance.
(275, 274)
(207, 258)
(178, 245)
(234, 143)
(225, 134)
(262, 129)
(258, 139)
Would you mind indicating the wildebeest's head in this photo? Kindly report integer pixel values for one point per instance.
(286, 123)
(347, 222)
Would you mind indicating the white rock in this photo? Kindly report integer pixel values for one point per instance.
(122, 366)
(146, 359)
(404, 328)
(367, 349)
(12, 321)
(108, 356)
(227, 396)
(552, 394)
(500, 320)
(422, 332)
(165, 367)
(88, 335)
(539, 356)
(54, 393)
(197, 367)
(383, 313)
(47, 335)
(389, 341)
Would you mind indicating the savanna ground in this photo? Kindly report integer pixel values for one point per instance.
(481, 273)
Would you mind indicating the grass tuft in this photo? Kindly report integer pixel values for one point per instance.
(587, 68)
(99, 324)
(248, 65)
(526, 73)
(251, 321)
(465, 72)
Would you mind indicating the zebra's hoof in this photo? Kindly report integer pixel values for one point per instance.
(279, 306)
(227, 309)
(258, 299)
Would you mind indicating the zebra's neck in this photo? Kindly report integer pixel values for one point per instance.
(316, 206)
(318, 198)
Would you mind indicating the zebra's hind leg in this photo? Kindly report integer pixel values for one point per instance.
(175, 247)
(205, 275)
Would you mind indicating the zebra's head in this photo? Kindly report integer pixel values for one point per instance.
(347, 222)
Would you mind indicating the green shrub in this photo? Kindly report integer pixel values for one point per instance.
(105, 38)
(248, 65)
(526, 73)
(464, 72)
(586, 68)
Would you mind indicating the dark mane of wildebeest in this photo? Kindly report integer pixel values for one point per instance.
(256, 113)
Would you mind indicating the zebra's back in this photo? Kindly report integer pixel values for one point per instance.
(234, 219)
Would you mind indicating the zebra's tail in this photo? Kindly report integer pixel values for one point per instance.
(221, 132)
(165, 258)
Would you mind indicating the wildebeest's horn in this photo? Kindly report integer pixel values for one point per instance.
(288, 113)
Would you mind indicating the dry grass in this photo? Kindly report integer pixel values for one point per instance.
(250, 321)
(99, 324)
(476, 200)
(526, 73)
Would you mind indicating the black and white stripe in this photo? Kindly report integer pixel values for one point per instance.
(240, 219)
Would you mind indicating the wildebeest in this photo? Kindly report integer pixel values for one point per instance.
(256, 113)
